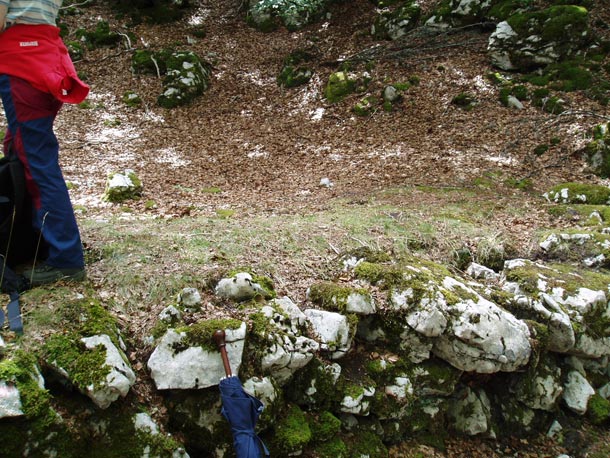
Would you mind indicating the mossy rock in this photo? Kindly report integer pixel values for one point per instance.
(333, 448)
(367, 443)
(340, 84)
(201, 333)
(267, 15)
(324, 426)
(598, 409)
(579, 193)
(131, 99)
(122, 186)
(101, 36)
(292, 433)
(366, 106)
(144, 61)
(597, 151)
(552, 23)
(153, 11)
(76, 50)
(452, 13)
(186, 408)
(393, 23)
(187, 77)
(39, 420)
(315, 386)
(465, 101)
(295, 72)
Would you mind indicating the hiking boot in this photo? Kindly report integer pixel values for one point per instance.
(45, 274)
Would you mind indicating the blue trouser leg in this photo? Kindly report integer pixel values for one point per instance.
(30, 114)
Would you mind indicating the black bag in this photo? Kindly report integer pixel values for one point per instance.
(18, 239)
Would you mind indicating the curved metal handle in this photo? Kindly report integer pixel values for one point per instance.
(219, 338)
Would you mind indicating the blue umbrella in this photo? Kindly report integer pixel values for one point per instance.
(240, 409)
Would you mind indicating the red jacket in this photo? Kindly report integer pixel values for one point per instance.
(37, 54)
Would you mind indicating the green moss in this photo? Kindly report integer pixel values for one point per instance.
(354, 391)
(201, 333)
(369, 444)
(591, 194)
(294, 72)
(317, 378)
(86, 367)
(131, 99)
(334, 448)
(224, 213)
(324, 426)
(150, 62)
(365, 106)
(503, 9)
(100, 36)
(20, 370)
(567, 276)
(598, 409)
(333, 296)
(597, 322)
(569, 76)
(386, 276)
(292, 432)
(340, 84)
(464, 100)
(75, 48)
(551, 23)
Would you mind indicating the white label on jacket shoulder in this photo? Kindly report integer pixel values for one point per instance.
(24, 44)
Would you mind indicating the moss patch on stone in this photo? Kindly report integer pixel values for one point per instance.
(579, 193)
(201, 333)
(292, 432)
(598, 409)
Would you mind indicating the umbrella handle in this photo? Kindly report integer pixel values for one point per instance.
(219, 338)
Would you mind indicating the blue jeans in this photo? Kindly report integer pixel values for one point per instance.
(30, 114)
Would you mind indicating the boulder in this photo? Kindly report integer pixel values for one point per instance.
(333, 330)
(187, 77)
(470, 412)
(177, 363)
(576, 393)
(530, 40)
(266, 15)
(122, 186)
(395, 21)
(120, 377)
(482, 337)
(241, 287)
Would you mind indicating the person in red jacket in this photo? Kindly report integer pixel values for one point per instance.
(36, 77)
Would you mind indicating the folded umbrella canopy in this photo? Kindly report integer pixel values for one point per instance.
(240, 409)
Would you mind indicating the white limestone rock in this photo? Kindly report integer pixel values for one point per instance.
(333, 330)
(500, 56)
(286, 355)
(542, 392)
(470, 412)
(577, 392)
(193, 367)
(10, 401)
(118, 381)
(240, 287)
(478, 271)
(482, 337)
(360, 304)
(358, 404)
(190, 299)
(170, 315)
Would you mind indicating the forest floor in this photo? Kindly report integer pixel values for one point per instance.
(250, 150)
